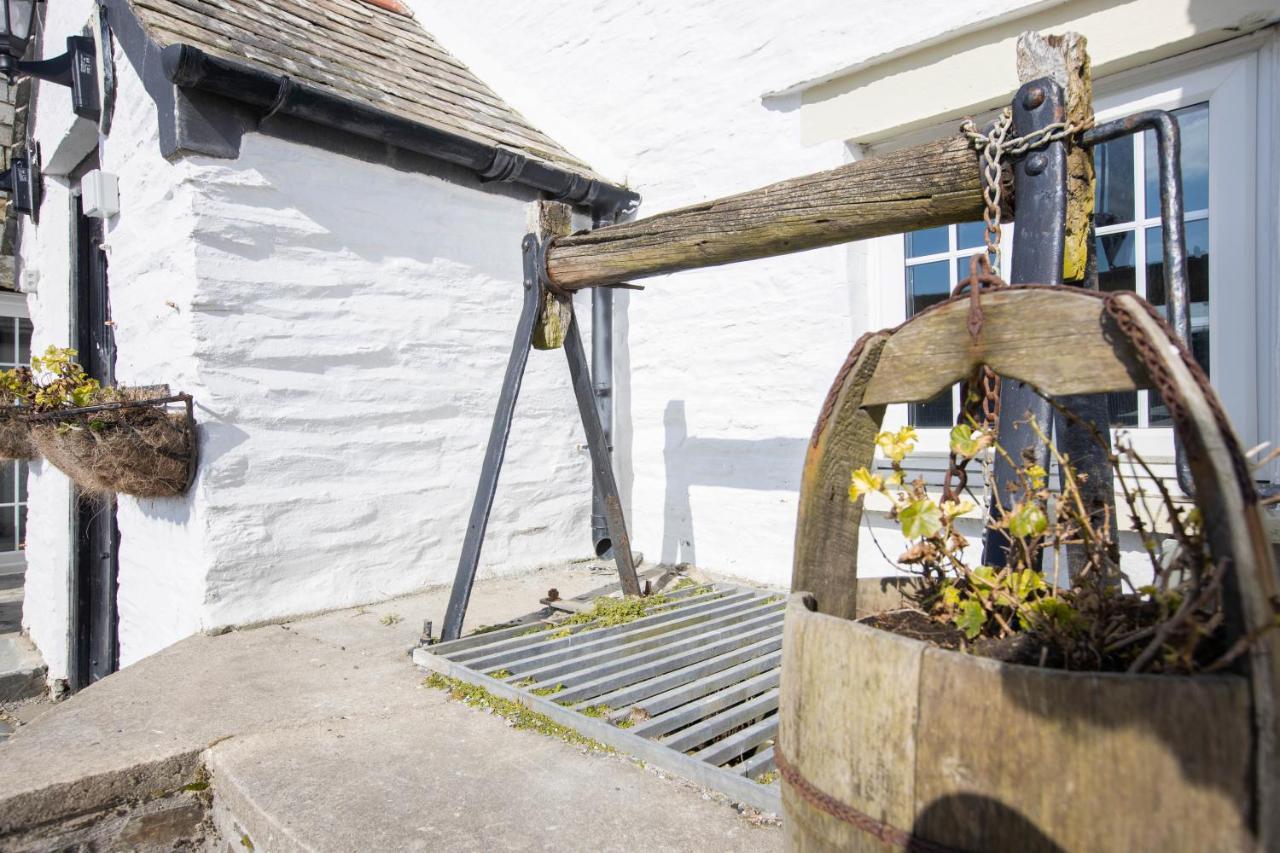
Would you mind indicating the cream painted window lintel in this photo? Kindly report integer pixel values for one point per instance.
(975, 71)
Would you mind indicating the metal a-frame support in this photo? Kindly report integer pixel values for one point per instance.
(1040, 191)
(535, 289)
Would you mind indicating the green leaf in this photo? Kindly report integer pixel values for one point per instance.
(1024, 583)
(966, 443)
(1028, 520)
(950, 595)
(920, 519)
(971, 618)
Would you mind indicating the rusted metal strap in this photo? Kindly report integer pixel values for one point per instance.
(828, 804)
(829, 404)
(1117, 305)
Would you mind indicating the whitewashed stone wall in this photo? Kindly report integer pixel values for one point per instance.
(344, 328)
(721, 372)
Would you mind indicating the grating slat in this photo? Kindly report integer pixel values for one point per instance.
(534, 655)
(720, 724)
(607, 652)
(527, 638)
(664, 692)
(737, 744)
(761, 762)
(689, 687)
(693, 711)
(630, 670)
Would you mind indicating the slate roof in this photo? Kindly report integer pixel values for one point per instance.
(358, 49)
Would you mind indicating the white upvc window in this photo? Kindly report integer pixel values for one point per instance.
(1216, 101)
(15, 349)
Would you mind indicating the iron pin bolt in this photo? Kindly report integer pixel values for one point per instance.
(1033, 97)
(1037, 163)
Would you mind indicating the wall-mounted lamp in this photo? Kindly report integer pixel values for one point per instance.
(75, 68)
(22, 180)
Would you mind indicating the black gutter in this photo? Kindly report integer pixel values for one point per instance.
(191, 68)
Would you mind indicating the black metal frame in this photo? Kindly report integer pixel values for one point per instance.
(23, 181)
(75, 69)
(1040, 193)
(535, 289)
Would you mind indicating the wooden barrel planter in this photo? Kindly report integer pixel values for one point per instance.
(886, 742)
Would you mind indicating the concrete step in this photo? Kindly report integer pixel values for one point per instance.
(22, 669)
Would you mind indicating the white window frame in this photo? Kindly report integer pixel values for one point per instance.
(1227, 78)
(12, 305)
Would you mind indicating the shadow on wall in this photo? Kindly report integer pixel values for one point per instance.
(770, 464)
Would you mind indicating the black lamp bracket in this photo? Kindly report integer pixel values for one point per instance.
(23, 181)
(75, 69)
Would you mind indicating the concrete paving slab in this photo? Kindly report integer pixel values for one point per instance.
(447, 777)
(143, 731)
(22, 669)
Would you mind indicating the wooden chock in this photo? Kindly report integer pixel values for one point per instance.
(551, 219)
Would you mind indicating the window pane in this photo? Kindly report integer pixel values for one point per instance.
(934, 413)
(1197, 279)
(1193, 126)
(24, 341)
(1123, 406)
(9, 482)
(22, 527)
(1115, 262)
(8, 529)
(927, 284)
(22, 481)
(971, 235)
(8, 340)
(1113, 187)
(930, 241)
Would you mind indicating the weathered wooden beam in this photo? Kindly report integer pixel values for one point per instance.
(550, 219)
(933, 184)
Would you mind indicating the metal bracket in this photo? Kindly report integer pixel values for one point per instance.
(601, 464)
(76, 69)
(1173, 229)
(1040, 192)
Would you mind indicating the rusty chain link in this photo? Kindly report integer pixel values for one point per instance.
(824, 802)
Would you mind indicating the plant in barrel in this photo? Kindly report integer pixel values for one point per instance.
(974, 703)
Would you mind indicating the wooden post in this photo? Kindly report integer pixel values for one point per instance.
(1065, 58)
(933, 184)
(550, 219)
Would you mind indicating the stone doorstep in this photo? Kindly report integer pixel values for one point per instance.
(22, 669)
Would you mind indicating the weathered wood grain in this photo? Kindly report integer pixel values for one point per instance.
(1060, 341)
(828, 523)
(551, 219)
(847, 720)
(1014, 758)
(1065, 59)
(932, 184)
(1234, 529)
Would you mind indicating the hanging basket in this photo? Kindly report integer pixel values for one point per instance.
(15, 435)
(887, 742)
(145, 448)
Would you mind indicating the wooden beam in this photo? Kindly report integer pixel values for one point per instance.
(933, 184)
(550, 219)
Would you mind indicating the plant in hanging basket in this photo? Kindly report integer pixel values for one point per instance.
(111, 440)
(15, 403)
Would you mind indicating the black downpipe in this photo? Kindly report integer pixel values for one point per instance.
(602, 384)
(191, 68)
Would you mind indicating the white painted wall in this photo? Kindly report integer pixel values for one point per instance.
(344, 329)
(722, 372)
(352, 324)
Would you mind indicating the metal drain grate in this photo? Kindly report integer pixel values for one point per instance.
(691, 688)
